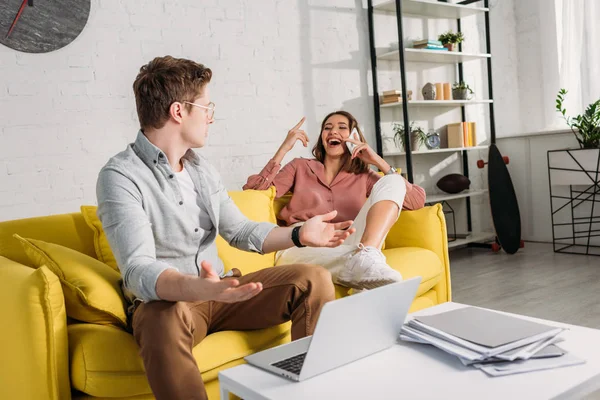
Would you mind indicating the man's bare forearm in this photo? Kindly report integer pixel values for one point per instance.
(278, 239)
(175, 286)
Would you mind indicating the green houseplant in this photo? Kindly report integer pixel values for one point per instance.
(461, 91)
(449, 39)
(417, 136)
(586, 126)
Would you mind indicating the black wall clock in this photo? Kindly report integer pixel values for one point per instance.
(41, 26)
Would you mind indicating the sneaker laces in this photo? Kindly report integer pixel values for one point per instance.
(371, 253)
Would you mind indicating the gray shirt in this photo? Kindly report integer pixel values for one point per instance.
(141, 207)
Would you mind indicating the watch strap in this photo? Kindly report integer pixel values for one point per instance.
(296, 236)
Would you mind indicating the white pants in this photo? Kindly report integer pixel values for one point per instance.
(389, 187)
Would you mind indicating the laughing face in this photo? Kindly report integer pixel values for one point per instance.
(335, 129)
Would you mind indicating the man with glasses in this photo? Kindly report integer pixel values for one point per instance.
(162, 206)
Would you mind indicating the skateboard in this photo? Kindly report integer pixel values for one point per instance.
(503, 203)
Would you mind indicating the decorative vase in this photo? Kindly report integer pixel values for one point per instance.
(428, 91)
(460, 94)
(414, 141)
(449, 46)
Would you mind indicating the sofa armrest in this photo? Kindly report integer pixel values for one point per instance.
(424, 228)
(33, 339)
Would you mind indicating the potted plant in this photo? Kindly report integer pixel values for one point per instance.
(417, 136)
(449, 39)
(573, 181)
(585, 127)
(462, 91)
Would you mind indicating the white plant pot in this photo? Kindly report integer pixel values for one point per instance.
(573, 167)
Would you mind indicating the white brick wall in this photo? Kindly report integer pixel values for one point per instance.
(63, 114)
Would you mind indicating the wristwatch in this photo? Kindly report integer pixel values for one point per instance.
(392, 171)
(296, 236)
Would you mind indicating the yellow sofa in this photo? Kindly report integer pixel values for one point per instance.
(47, 355)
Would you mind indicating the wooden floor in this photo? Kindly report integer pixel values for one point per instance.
(535, 281)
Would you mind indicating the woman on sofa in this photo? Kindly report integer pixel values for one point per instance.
(337, 179)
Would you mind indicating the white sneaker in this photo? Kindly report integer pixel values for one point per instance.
(367, 269)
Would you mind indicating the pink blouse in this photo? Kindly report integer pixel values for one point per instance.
(312, 196)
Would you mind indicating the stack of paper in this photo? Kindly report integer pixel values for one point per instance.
(496, 343)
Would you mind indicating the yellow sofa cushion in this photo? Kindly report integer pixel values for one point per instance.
(428, 299)
(419, 228)
(98, 370)
(103, 251)
(92, 289)
(413, 261)
(257, 205)
(34, 334)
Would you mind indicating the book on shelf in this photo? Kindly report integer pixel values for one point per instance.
(428, 46)
(425, 42)
(462, 134)
(432, 48)
(472, 134)
(394, 96)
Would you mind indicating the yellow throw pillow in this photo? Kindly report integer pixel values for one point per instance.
(103, 250)
(257, 205)
(92, 289)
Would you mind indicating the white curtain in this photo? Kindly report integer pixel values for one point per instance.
(578, 36)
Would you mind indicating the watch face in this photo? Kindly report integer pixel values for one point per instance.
(433, 141)
(41, 26)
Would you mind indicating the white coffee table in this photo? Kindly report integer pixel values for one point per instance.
(416, 371)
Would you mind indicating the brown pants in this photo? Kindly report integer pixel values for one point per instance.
(168, 331)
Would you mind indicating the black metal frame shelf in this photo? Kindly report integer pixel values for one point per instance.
(433, 9)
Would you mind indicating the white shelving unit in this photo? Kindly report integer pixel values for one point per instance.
(435, 151)
(438, 198)
(432, 9)
(433, 56)
(436, 10)
(438, 103)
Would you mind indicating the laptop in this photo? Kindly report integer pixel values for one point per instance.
(348, 329)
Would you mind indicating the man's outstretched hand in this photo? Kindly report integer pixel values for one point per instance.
(225, 290)
(319, 232)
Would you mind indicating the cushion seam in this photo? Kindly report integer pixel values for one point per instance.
(83, 298)
(445, 261)
(42, 254)
(85, 380)
(51, 359)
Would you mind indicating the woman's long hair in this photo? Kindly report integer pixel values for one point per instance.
(356, 166)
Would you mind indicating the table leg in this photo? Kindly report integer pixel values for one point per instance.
(224, 391)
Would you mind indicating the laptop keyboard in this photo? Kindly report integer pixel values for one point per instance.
(292, 364)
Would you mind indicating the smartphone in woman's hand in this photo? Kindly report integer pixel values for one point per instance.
(353, 135)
